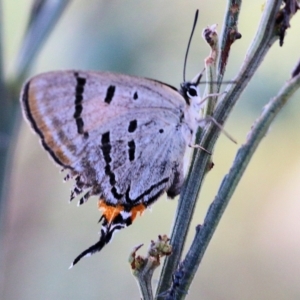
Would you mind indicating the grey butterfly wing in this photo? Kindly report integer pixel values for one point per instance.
(141, 165)
(119, 134)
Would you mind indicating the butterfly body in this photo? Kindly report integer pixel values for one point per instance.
(122, 138)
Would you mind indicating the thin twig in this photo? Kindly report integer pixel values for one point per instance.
(143, 267)
(4, 113)
(2, 86)
(144, 280)
(229, 35)
(4, 134)
(211, 37)
(44, 16)
(38, 30)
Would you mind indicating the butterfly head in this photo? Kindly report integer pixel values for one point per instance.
(190, 92)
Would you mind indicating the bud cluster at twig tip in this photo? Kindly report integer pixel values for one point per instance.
(283, 18)
(157, 249)
(210, 35)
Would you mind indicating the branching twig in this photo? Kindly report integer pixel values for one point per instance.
(264, 39)
(230, 182)
(44, 16)
(143, 267)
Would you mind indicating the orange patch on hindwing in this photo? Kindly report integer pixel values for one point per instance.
(139, 209)
(110, 211)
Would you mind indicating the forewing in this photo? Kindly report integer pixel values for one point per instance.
(120, 134)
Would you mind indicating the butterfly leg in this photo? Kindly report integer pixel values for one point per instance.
(213, 120)
(199, 147)
(207, 97)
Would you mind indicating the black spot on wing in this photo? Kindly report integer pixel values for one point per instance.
(132, 126)
(79, 91)
(26, 108)
(110, 94)
(80, 124)
(135, 96)
(131, 150)
(106, 149)
(105, 138)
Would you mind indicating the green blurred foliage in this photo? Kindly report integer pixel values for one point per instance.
(255, 253)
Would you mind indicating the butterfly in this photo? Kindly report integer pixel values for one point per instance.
(121, 138)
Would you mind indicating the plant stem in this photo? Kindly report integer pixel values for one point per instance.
(228, 35)
(210, 69)
(264, 39)
(230, 182)
(38, 30)
(145, 284)
(44, 16)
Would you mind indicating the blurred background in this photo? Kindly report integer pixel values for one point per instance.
(255, 252)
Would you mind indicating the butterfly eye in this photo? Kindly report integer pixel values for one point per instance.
(192, 92)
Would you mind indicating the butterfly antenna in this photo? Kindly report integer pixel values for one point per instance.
(189, 43)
